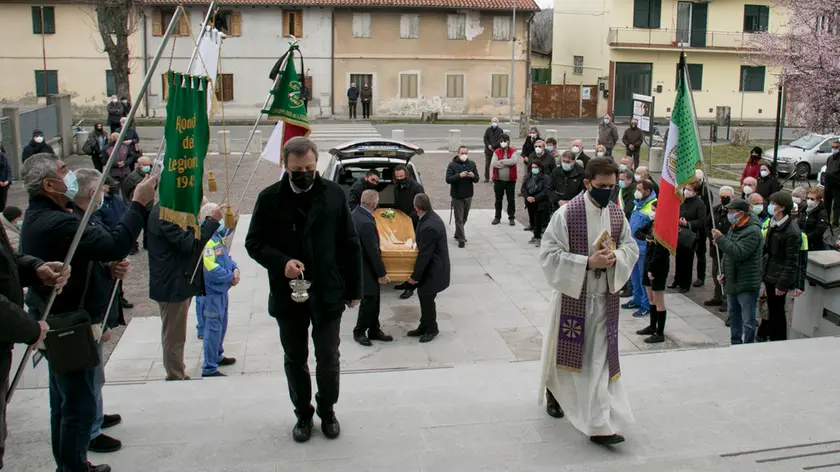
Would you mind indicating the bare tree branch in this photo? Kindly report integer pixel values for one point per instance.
(542, 30)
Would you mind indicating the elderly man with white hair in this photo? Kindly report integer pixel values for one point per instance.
(718, 220)
(748, 188)
(580, 156)
(220, 274)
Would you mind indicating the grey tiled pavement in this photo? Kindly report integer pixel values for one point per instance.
(691, 407)
(493, 311)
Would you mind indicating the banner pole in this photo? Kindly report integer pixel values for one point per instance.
(189, 66)
(105, 172)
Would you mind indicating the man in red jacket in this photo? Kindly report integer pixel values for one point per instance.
(504, 178)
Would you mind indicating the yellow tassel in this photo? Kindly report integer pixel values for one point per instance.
(230, 219)
(211, 181)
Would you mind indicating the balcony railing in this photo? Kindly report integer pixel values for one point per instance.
(678, 39)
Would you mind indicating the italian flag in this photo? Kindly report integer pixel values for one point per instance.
(288, 108)
(682, 156)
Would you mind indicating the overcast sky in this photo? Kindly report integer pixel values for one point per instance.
(545, 3)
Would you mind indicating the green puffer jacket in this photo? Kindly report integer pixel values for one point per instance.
(741, 252)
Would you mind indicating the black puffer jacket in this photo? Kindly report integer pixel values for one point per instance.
(404, 197)
(767, 186)
(781, 255)
(694, 211)
(814, 223)
(537, 186)
(566, 185)
(461, 187)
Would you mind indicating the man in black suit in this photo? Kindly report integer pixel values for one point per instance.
(431, 270)
(370, 182)
(301, 227)
(373, 272)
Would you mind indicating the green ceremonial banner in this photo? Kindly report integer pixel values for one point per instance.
(288, 103)
(187, 137)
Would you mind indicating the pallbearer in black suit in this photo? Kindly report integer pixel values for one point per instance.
(431, 270)
(373, 271)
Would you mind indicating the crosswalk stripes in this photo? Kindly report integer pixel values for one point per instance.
(343, 132)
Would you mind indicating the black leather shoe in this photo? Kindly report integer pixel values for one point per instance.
(699, 283)
(99, 468)
(713, 302)
(674, 285)
(407, 294)
(461, 244)
(427, 337)
(303, 430)
(495, 221)
(723, 309)
(646, 332)
(402, 286)
(414, 333)
(607, 440)
(110, 420)
(552, 407)
(512, 222)
(378, 335)
(362, 339)
(330, 427)
(684, 290)
(655, 339)
(214, 374)
(227, 361)
(126, 304)
(104, 444)
(527, 228)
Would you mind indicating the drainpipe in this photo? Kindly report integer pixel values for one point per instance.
(145, 63)
(528, 80)
(332, 63)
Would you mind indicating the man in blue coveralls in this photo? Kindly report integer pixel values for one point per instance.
(220, 273)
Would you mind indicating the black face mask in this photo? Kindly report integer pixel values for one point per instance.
(601, 196)
(402, 183)
(725, 200)
(370, 184)
(302, 179)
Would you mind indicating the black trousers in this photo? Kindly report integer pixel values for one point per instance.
(774, 328)
(635, 155)
(365, 109)
(4, 194)
(715, 269)
(294, 336)
(684, 262)
(487, 160)
(368, 320)
(532, 209)
(428, 313)
(505, 189)
(538, 218)
(832, 202)
(700, 251)
(351, 105)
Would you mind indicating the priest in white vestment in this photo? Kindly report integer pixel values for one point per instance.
(587, 255)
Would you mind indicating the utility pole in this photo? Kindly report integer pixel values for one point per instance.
(512, 60)
(778, 127)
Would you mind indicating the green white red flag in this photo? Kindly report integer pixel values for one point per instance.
(287, 107)
(682, 156)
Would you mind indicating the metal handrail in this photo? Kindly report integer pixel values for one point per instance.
(657, 37)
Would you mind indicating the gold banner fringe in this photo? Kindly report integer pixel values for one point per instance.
(186, 221)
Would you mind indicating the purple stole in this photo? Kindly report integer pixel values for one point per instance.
(570, 343)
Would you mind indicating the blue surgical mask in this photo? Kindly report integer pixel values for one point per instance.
(732, 218)
(19, 224)
(146, 169)
(771, 209)
(494, 124)
(549, 148)
(622, 184)
(535, 171)
(621, 167)
(757, 209)
(71, 184)
(567, 166)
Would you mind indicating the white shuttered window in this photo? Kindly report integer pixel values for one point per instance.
(456, 26)
(361, 25)
(501, 28)
(409, 26)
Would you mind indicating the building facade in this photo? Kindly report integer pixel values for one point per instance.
(455, 62)
(634, 46)
(57, 48)
(258, 33)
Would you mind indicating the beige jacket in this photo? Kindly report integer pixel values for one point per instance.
(12, 232)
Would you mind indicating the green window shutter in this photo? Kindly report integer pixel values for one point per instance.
(641, 13)
(763, 18)
(110, 83)
(49, 20)
(52, 82)
(36, 20)
(655, 13)
(695, 75)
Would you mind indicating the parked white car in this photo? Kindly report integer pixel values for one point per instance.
(821, 177)
(804, 155)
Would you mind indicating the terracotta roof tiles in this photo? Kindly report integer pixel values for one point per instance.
(524, 5)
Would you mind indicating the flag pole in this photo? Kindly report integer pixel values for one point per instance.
(687, 84)
(105, 171)
(193, 57)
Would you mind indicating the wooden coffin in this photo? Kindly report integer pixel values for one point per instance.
(397, 243)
